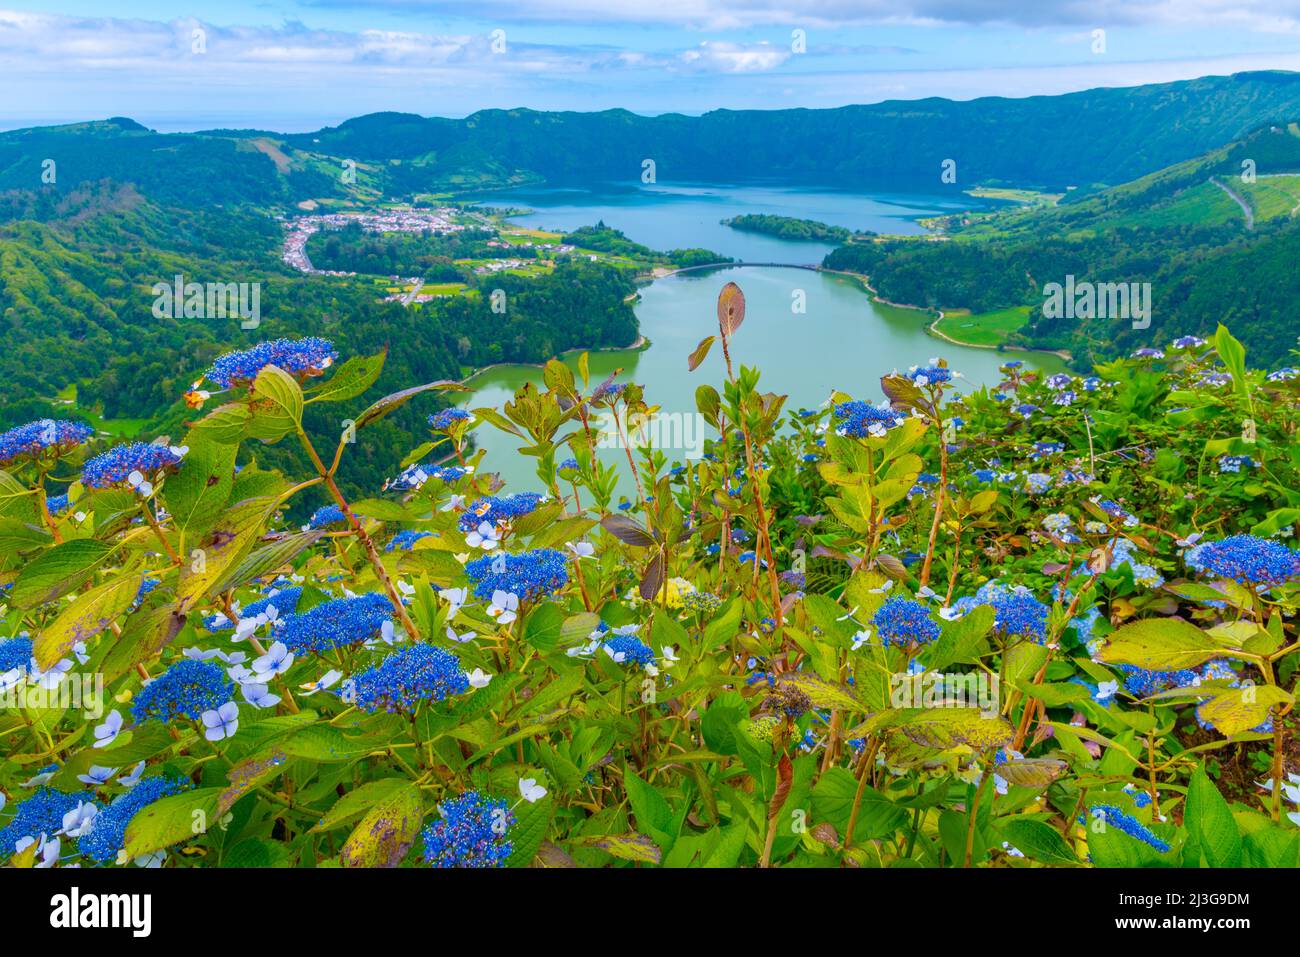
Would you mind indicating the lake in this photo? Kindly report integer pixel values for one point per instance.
(841, 340)
(677, 216)
(844, 341)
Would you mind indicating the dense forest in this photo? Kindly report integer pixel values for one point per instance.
(893, 145)
(791, 227)
(1175, 229)
(78, 269)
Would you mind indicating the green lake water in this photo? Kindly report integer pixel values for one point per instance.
(842, 341)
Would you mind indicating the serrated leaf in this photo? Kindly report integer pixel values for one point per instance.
(386, 832)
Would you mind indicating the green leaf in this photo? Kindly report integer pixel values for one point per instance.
(650, 809)
(1233, 355)
(395, 400)
(532, 820)
(350, 379)
(1038, 841)
(275, 401)
(360, 799)
(700, 353)
(1159, 644)
(543, 626)
(1240, 709)
(264, 560)
(197, 493)
(961, 639)
(627, 847)
(386, 832)
(222, 549)
(16, 499)
(1210, 824)
(62, 569)
(172, 820)
(89, 614)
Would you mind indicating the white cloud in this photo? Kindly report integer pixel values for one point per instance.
(719, 57)
(1261, 15)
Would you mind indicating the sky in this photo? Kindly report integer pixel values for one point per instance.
(299, 65)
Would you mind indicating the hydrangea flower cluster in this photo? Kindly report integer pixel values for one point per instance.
(529, 575)
(15, 653)
(904, 622)
(607, 391)
(1123, 821)
(929, 375)
(309, 356)
(42, 813)
(443, 420)
(1142, 683)
(42, 435)
(336, 624)
(629, 649)
(326, 516)
(414, 476)
(1017, 613)
(283, 601)
(1115, 510)
(405, 540)
(115, 466)
(494, 510)
(1247, 560)
(185, 690)
(408, 677)
(471, 833)
(860, 420)
(108, 834)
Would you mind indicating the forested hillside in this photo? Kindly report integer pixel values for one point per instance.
(1180, 229)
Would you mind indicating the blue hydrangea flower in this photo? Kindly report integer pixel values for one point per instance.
(1115, 510)
(185, 690)
(336, 624)
(285, 602)
(929, 375)
(471, 833)
(1142, 683)
(632, 649)
(15, 653)
(859, 420)
(408, 677)
(494, 510)
(607, 391)
(572, 465)
(405, 540)
(904, 622)
(108, 835)
(1246, 559)
(529, 575)
(443, 420)
(1123, 821)
(42, 435)
(310, 356)
(42, 813)
(114, 466)
(1017, 613)
(58, 504)
(326, 516)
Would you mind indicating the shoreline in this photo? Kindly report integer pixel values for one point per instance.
(640, 344)
(939, 314)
